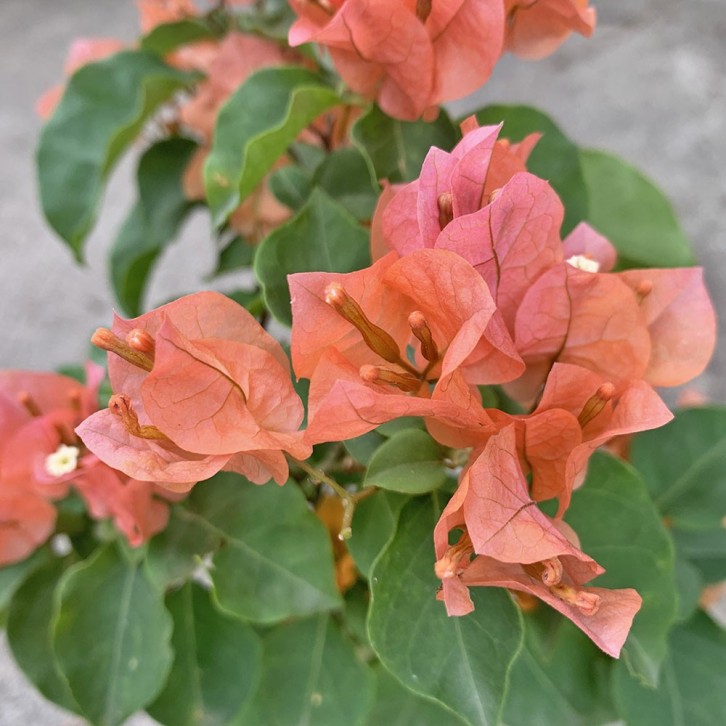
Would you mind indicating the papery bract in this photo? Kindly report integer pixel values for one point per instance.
(681, 322)
(536, 28)
(203, 386)
(514, 545)
(385, 49)
(436, 287)
(585, 318)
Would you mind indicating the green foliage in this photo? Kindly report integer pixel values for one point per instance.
(632, 213)
(319, 681)
(103, 109)
(261, 572)
(463, 663)
(255, 127)
(396, 149)
(560, 677)
(691, 687)
(167, 37)
(554, 158)
(111, 637)
(410, 462)
(374, 523)
(29, 634)
(322, 236)
(216, 667)
(620, 528)
(153, 222)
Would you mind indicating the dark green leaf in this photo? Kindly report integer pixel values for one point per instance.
(255, 127)
(620, 528)
(322, 236)
(374, 523)
(291, 185)
(410, 462)
(111, 637)
(236, 255)
(310, 675)
(705, 550)
(169, 36)
(29, 634)
(103, 109)
(174, 554)
(559, 678)
(154, 220)
(362, 448)
(554, 158)
(217, 663)
(690, 584)
(346, 177)
(12, 576)
(397, 149)
(461, 662)
(276, 560)
(397, 706)
(633, 213)
(690, 692)
(684, 466)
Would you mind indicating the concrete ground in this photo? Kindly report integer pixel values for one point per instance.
(649, 86)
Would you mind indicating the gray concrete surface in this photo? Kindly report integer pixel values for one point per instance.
(650, 86)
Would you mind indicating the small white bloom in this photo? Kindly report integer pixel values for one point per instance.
(62, 461)
(584, 263)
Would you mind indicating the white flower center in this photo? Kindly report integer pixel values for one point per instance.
(63, 461)
(584, 263)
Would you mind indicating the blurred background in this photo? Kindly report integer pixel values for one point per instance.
(649, 86)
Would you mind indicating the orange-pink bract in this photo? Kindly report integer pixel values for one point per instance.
(536, 28)
(372, 340)
(409, 56)
(199, 386)
(508, 542)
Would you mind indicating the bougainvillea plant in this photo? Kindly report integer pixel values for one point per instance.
(419, 469)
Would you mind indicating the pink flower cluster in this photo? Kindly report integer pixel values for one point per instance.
(478, 288)
(41, 458)
(412, 56)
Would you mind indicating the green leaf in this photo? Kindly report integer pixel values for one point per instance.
(12, 576)
(705, 550)
(169, 36)
(103, 109)
(684, 466)
(362, 448)
(174, 554)
(463, 663)
(690, 585)
(560, 677)
(374, 523)
(154, 220)
(276, 560)
(397, 706)
(238, 254)
(29, 634)
(255, 127)
(410, 462)
(346, 177)
(691, 689)
(554, 158)
(291, 185)
(217, 662)
(633, 213)
(311, 676)
(620, 528)
(111, 637)
(396, 149)
(322, 236)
